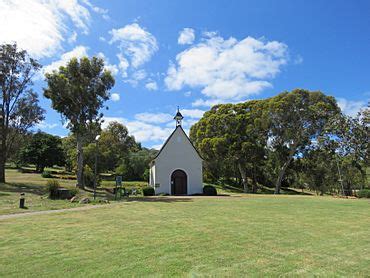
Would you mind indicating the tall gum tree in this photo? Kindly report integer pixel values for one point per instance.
(234, 135)
(19, 109)
(78, 92)
(297, 119)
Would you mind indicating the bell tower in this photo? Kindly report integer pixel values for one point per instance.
(178, 117)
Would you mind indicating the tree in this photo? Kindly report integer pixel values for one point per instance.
(19, 109)
(114, 145)
(44, 150)
(297, 119)
(234, 135)
(78, 91)
(135, 164)
(348, 137)
(319, 171)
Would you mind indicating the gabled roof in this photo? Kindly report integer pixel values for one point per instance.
(168, 139)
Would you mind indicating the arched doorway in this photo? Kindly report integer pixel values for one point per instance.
(179, 183)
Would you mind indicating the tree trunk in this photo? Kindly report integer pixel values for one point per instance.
(3, 150)
(254, 185)
(80, 162)
(244, 177)
(281, 175)
(2, 166)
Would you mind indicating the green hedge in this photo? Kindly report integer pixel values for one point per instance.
(148, 191)
(209, 190)
(363, 193)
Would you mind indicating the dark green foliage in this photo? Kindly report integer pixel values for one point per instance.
(89, 177)
(43, 150)
(209, 190)
(146, 175)
(73, 192)
(363, 193)
(114, 145)
(78, 91)
(46, 174)
(148, 191)
(294, 139)
(20, 108)
(134, 165)
(52, 187)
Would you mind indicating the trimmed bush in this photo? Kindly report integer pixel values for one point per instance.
(52, 187)
(148, 191)
(209, 190)
(46, 174)
(363, 193)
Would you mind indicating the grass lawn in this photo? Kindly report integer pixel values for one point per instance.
(260, 235)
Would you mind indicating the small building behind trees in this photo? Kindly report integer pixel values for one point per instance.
(177, 168)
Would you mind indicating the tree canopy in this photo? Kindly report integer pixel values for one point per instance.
(43, 150)
(78, 92)
(292, 139)
(19, 108)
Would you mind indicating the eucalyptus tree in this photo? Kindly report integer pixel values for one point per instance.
(19, 108)
(233, 135)
(297, 119)
(348, 137)
(43, 150)
(78, 92)
(114, 145)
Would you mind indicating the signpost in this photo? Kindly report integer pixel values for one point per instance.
(118, 187)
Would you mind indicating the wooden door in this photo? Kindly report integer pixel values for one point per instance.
(179, 183)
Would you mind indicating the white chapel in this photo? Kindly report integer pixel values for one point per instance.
(177, 168)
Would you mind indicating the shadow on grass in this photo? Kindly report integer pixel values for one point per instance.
(159, 199)
(4, 194)
(22, 187)
(261, 190)
(228, 188)
(289, 191)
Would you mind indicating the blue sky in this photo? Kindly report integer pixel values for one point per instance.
(194, 54)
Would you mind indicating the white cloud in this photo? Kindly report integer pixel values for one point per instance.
(351, 107)
(157, 147)
(40, 26)
(187, 94)
(152, 86)
(207, 103)
(135, 43)
(186, 36)
(123, 65)
(111, 67)
(72, 38)
(192, 113)
(101, 11)
(115, 97)
(227, 69)
(143, 132)
(155, 127)
(154, 117)
(45, 125)
(161, 118)
(78, 52)
(79, 14)
(136, 77)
